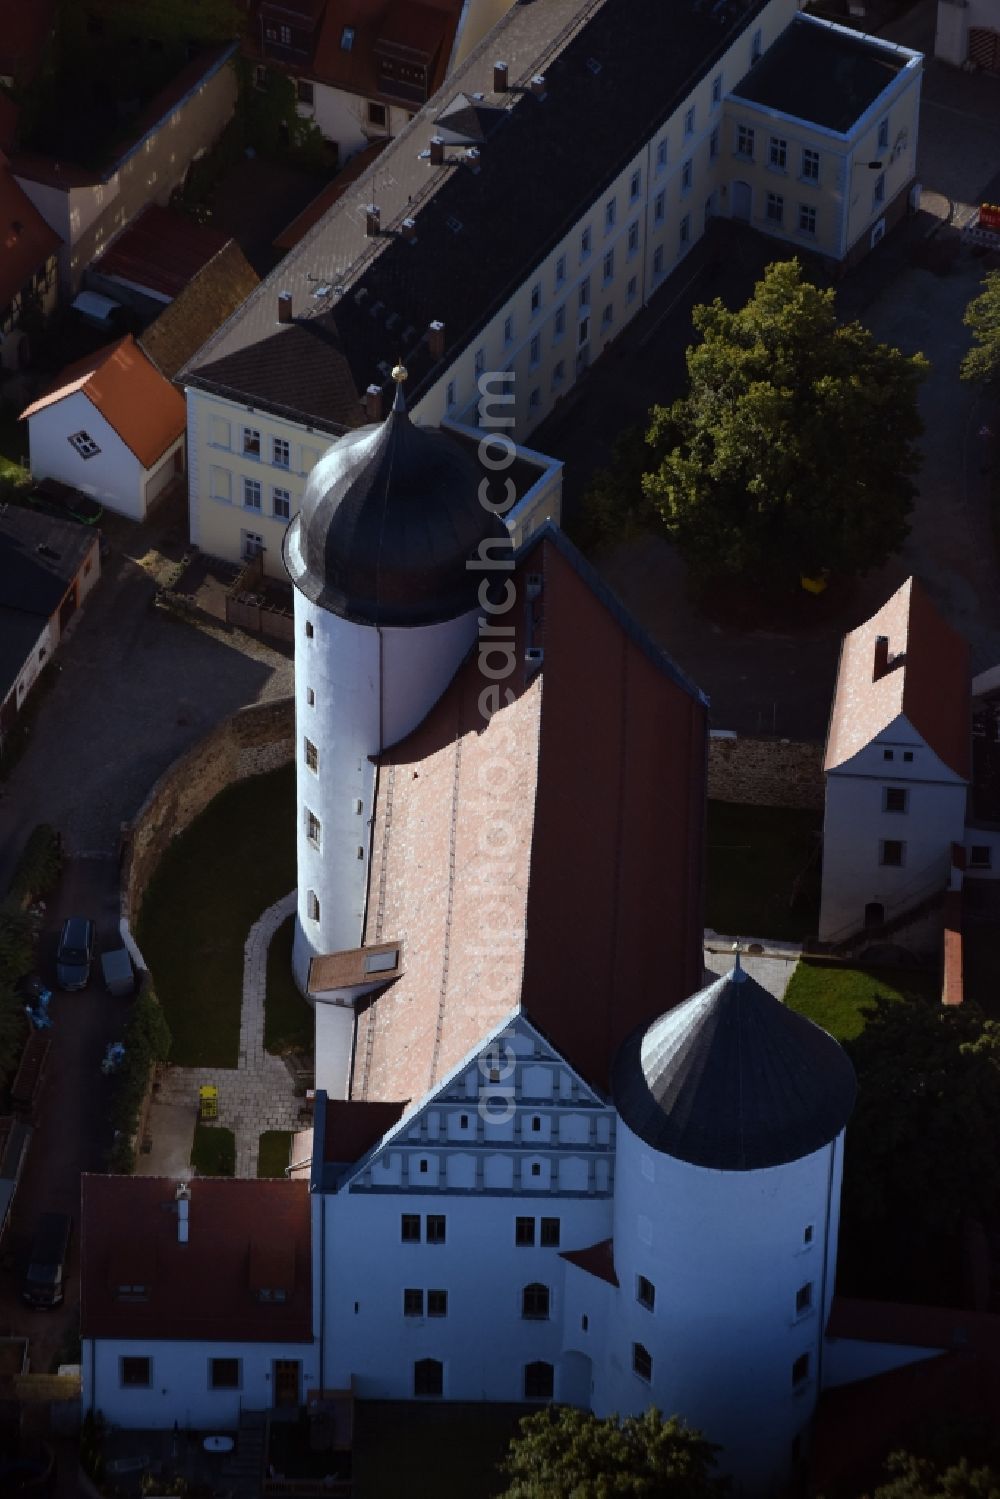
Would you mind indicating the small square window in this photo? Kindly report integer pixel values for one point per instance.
(536, 1169)
(894, 799)
(908, 755)
(224, 1373)
(891, 853)
(887, 754)
(410, 1228)
(980, 856)
(642, 1361)
(347, 39)
(413, 1303)
(550, 1233)
(376, 115)
(645, 1292)
(84, 444)
(539, 1381)
(437, 1303)
(524, 1232)
(251, 442)
(435, 1228)
(800, 1369)
(804, 1298)
(135, 1373)
(463, 1121)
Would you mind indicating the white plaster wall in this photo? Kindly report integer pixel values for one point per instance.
(179, 1383)
(483, 1342)
(955, 18)
(847, 1359)
(854, 826)
(343, 117)
(114, 475)
(727, 1253)
(159, 477)
(33, 664)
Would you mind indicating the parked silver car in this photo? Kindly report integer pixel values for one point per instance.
(75, 953)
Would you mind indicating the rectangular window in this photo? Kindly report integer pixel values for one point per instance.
(508, 330)
(584, 295)
(645, 1292)
(745, 138)
(312, 905)
(609, 266)
(887, 754)
(891, 852)
(895, 799)
(775, 208)
(878, 196)
(717, 90)
(535, 398)
(810, 165)
(311, 754)
(883, 134)
(310, 629)
(586, 239)
(310, 698)
(223, 1373)
(281, 504)
(658, 261)
(980, 856)
(635, 186)
(535, 349)
(713, 144)
(280, 452)
(285, 33)
(252, 544)
(559, 323)
(84, 444)
(756, 47)
(409, 1228)
(376, 115)
(559, 373)
(428, 1377)
(550, 1233)
(632, 289)
(536, 299)
(800, 1369)
(685, 231)
(251, 494)
(251, 442)
(450, 394)
(633, 238)
(907, 755)
(807, 1234)
(607, 318)
(304, 91)
(524, 1232)
(435, 1228)
(686, 174)
(610, 213)
(413, 1303)
(807, 218)
(582, 334)
(560, 270)
(480, 362)
(777, 153)
(642, 1361)
(539, 1381)
(803, 1299)
(661, 156)
(659, 207)
(314, 831)
(135, 1373)
(437, 1303)
(689, 121)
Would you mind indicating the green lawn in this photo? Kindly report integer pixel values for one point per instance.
(834, 995)
(212, 884)
(13, 446)
(275, 1152)
(214, 1150)
(763, 867)
(289, 1022)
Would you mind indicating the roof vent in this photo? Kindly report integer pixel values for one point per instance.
(473, 157)
(533, 585)
(408, 229)
(455, 225)
(318, 292)
(437, 151)
(44, 551)
(373, 403)
(537, 85)
(284, 307)
(373, 220)
(594, 65)
(359, 295)
(880, 665)
(499, 77)
(533, 658)
(435, 340)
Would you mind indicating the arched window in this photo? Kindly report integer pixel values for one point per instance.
(428, 1377)
(538, 1381)
(535, 1301)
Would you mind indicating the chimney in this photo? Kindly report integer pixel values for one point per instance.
(881, 664)
(373, 403)
(183, 1199)
(435, 340)
(472, 158)
(538, 85)
(373, 221)
(284, 307)
(437, 151)
(499, 77)
(409, 228)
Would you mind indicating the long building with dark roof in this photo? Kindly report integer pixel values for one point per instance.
(529, 210)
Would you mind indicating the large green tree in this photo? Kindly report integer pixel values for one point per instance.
(912, 1477)
(982, 315)
(794, 450)
(563, 1453)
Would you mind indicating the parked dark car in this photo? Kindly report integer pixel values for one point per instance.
(75, 953)
(44, 1281)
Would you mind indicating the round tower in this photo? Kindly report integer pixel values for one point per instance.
(729, 1156)
(386, 607)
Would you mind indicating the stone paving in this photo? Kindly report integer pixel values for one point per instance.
(259, 1093)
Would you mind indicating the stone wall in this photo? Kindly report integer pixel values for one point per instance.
(254, 740)
(765, 772)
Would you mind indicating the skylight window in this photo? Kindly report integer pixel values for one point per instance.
(347, 38)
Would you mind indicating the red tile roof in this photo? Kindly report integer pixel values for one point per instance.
(596, 1259)
(592, 896)
(916, 1326)
(26, 241)
(927, 682)
(133, 397)
(243, 1236)
(161, 251)
(427, 30)
(353, 1127)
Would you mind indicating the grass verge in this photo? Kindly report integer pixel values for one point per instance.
(835, 995)
(213, 882)
(275, 1152)
(289, 1022)
(763, 871)
(214, 1150)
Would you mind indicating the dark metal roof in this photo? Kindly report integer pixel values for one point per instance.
(733, 1080)
(389, 521)
(470, 119)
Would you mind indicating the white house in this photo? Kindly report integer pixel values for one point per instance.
(111, 426)
(968, 34)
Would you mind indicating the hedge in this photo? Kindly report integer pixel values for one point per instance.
(38, 868)
(147, 1044)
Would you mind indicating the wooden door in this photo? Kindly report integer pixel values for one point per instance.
(286, 1381)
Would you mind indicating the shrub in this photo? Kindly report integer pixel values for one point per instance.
(38, 868)
(147, 1043)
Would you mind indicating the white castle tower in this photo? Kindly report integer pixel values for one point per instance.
(386, 607)
(727, 1197)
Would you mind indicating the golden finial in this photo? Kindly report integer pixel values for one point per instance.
(400, 373)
